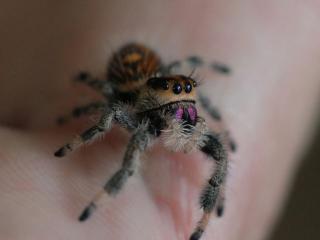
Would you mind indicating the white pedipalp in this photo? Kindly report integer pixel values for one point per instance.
(180, 136)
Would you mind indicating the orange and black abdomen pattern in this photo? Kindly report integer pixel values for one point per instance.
(131, 66)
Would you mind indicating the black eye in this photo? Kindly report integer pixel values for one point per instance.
(158, 83)
(177, 88)
(188, 87)
(165, 85)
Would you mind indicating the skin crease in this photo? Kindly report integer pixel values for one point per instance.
(269, 104)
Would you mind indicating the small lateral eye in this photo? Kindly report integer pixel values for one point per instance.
(194, 83)
(177, 89)
(188, 87)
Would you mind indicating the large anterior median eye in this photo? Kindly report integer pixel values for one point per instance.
(188, 87)
(177, 88)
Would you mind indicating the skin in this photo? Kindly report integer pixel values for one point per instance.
(269, 104)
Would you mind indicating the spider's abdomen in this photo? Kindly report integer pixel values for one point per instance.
(131, 66)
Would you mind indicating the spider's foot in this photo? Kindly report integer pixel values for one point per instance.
(82, 76)
(61, 152)
(233, 145)
(220, 211)
(61, 120)
(87, 212)
(197, 234)
(220, 68)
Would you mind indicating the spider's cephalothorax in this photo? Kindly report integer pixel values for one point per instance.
(150, 100)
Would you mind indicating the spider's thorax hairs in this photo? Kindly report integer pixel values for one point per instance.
(151, 100)
(180, 136)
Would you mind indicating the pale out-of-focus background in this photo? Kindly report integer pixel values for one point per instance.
(300, 219)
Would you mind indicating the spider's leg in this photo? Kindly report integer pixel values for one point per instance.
(138, 143)
(188, 64)
(103, 125)
(82, 110)
(212, 146)
(193, 62)
(95, 83)
(220, 201)
(210, 109)
(215, 115)
(220, 68)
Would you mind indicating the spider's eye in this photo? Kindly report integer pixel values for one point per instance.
(158, 83)
(188, 87)
(165, 85)
(194, 83)
(177, 88)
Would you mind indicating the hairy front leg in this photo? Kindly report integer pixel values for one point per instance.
(138, 143)
(100, 86)
(117, 112)
(80, 111)
(213, 147)
(103, 125)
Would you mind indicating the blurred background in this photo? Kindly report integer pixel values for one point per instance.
(300, 217)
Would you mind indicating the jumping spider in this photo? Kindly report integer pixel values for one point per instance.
(149, 100)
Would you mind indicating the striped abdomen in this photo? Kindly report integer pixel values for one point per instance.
(131, 66)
